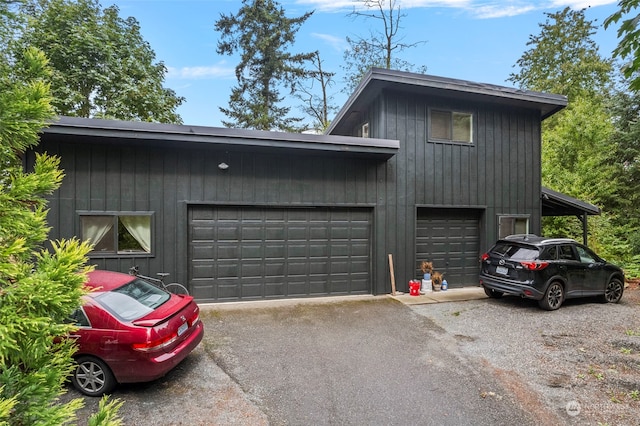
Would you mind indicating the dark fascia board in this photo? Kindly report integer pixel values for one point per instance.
(378, 79)
(130, 130)
(557, 204)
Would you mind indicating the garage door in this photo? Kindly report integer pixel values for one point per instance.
(450, 238)
(239, 253)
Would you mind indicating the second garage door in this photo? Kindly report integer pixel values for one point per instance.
(239, 253)
(450, 238)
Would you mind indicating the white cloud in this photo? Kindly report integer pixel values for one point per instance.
(581, 4)
(339, 44)
(502, 11)
(200, 72)
(482, 9)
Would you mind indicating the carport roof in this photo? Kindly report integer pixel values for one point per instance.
(557, 204)
(378, 80)
(168, 133)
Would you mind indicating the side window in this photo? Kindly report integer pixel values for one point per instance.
(551, 253)
(450, 126)
(117, 233)
(585, 256)
(79, 318)
(566, 253)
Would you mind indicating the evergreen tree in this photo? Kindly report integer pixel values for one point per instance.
(576, 142)
(261, 33)
(564, 59)
(628, 48)
(39, 288)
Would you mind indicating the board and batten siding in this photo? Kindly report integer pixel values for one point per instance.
(114, 176)
(499, 174)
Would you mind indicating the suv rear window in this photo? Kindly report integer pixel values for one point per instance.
(515, 251)
(133, 300)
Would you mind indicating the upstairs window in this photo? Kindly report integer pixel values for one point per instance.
(115, 233)
(451, 126)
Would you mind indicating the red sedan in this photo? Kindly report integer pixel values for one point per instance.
(131, 331)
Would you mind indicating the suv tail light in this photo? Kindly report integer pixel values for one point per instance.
(534, 266)
(484, 257)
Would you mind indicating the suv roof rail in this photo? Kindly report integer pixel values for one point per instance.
(524, 237)
(559, 240)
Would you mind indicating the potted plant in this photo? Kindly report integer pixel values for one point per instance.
(436, 281)
(427, 269)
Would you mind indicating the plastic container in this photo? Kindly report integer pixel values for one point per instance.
(427, 285)
(445, 285)
(414, 288)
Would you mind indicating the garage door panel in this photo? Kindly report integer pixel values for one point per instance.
(285, 252)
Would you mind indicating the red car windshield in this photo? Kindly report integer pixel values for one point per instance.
(133, 300)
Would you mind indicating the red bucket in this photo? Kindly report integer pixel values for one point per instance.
(414, 288)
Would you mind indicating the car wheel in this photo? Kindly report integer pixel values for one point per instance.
(553, 297)
(613, 291)
(93, 377)
(493, 293)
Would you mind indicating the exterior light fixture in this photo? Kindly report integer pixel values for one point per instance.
(223, 166)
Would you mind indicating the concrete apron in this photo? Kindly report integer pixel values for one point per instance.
(450, 295)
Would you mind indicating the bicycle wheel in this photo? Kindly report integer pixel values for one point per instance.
(176, 288)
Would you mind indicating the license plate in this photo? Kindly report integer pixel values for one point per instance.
(502, 270)
(183, 328)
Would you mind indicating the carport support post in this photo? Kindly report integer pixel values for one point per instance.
(584, 228)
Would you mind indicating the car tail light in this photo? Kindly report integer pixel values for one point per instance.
(484, 257)
(534, 266)
(158, 344)
(155, 345)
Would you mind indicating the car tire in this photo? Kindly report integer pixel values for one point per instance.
(553, 297)
(493, 293)
(92, 376)
(613, 291)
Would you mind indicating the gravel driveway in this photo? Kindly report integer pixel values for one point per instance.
(583, 359)
(493, 362)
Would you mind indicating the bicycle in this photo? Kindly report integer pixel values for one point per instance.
(175, 288)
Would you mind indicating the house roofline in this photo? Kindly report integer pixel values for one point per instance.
(557, 204)
(378, 79)
(135, 130)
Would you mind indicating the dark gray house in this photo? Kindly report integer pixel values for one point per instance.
(416, 166)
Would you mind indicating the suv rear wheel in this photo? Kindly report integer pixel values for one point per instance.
(553, 297)
(493, 293)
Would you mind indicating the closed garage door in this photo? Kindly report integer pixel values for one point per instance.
(239, 253)
(450, 238)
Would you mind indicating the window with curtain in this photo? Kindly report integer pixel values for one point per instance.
(450, 126)
(117, 233)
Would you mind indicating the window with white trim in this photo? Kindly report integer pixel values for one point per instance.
(365, 130)
(510, 225)
(450, 126)
(117, 233)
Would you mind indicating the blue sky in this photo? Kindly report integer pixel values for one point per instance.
(476, 40)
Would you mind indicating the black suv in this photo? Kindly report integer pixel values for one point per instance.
(548, 270)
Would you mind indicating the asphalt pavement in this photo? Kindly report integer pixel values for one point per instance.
(331, 361)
